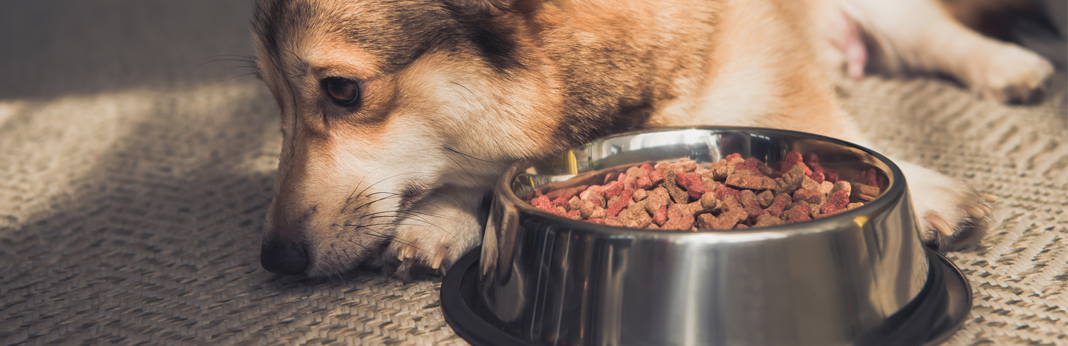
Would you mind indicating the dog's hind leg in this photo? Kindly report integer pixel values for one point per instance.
(922, 35)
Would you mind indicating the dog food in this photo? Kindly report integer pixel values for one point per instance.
(733, 193)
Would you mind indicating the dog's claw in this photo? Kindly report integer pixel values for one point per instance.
(439, 256)
(406, 252)
(939, 224)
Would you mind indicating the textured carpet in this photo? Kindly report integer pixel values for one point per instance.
(137, 163)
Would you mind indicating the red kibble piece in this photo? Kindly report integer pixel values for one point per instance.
(751, 164)
(612, 190)
(836, 204)
(660, 216)
(692, 183)
(752, 209)
(644, 183)
(779, 204)
(656, 177)
(724, 191)
(794, 158)
(733, 156)
(800, 212)
(624, 199)
(542, 202)
(818, 177)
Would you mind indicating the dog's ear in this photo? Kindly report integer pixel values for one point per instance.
(493, 7)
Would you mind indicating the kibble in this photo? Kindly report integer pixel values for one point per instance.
(732, 193)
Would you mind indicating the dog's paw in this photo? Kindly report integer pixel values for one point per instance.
(430, 247)
(1011, 74)
(952, 215)
(434, 236)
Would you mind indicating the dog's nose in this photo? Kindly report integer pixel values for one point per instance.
(284, 257)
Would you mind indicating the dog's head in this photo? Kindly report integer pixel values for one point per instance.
(383, 102)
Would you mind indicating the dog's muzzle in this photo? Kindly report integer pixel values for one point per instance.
(284, 256)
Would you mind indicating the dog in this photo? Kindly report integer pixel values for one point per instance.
(397, 116)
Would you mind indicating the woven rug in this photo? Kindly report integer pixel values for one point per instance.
(137, 163)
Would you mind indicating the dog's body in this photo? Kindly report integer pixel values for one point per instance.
(397, 116)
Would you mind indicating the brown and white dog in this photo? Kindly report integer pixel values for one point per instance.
(398, 115)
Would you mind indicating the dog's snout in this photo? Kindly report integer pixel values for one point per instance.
(284, 256)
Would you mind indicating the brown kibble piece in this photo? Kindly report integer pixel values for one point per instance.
(639, 195)
(765, 198)
(634, 216)
(791, 180)
(709, 200)
(746, 196)
(574, 203)
(750, 181)
(591, 209)
(767, 220)
(842, 186)
(807, 195)
(678, 218)
(864, 192)
(677, 193)
(722, 172)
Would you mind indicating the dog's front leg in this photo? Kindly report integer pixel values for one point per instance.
(437, 230)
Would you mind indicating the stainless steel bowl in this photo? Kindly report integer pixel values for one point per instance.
(858, 277)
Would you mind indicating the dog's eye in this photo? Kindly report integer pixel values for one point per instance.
(345, 92)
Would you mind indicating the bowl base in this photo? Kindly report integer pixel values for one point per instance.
(936, 313)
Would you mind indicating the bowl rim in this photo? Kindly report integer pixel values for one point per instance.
(896, 189)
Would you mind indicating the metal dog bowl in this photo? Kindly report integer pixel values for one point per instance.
(860, 277)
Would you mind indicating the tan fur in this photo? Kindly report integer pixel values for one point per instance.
(453, 91)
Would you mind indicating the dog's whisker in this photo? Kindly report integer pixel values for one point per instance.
(462, 167)
(465, 155)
